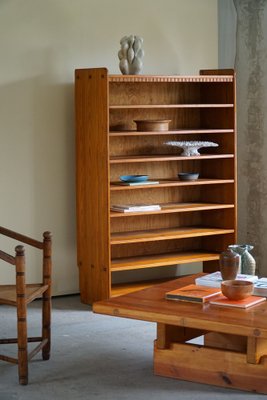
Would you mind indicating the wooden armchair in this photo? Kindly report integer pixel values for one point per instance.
(21, 294)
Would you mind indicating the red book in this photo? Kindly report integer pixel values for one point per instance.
(245, 303)
(193, 293)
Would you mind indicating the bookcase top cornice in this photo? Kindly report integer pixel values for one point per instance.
(170, 78)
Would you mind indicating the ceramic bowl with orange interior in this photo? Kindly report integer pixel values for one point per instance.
(237, 289)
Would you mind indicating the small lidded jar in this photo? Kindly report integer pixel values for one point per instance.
(229, 264)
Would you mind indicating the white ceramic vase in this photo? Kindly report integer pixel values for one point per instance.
(248, 263)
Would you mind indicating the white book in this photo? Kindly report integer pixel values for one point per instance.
(135, 207)
(133, 211)
(137, 183)
(215, 279)
(260, 287)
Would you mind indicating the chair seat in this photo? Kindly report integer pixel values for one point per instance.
(8, 293)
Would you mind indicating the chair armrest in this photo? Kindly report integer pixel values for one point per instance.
(7, 257)
(21, 238)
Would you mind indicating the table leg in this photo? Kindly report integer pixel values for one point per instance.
(167, 334)
(236, 369)
(226, 341)
(256, 348)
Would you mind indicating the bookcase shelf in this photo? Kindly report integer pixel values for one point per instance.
(160, 158)
(170, 132)
(120, 289)
(165, 234)
(170, 183)
(159, 260)
(197, 219)
(140, 106)
(167, 208)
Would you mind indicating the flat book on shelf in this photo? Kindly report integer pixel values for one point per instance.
(215, 279)
(193, 293)
(136, 183)
(135, 207)
(245, 303)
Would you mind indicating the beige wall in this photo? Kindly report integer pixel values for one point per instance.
(41, 43)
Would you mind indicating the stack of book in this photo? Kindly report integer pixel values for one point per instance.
(215, 280)
(135, 207)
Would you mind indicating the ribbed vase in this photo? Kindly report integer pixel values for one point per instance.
(248, 263)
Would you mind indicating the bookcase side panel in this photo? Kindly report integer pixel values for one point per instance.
(226, 118)
(92, 180)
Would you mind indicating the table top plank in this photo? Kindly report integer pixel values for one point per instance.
(150, 305)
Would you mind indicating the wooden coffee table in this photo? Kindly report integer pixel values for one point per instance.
(234, 353)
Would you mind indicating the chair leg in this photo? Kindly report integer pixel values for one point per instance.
(22, 346)
(46, 318)
(21, 316)
(46, 324)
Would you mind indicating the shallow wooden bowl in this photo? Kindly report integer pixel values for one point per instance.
(149, 125)
(237, 289)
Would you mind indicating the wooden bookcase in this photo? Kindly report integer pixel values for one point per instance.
(197, 220)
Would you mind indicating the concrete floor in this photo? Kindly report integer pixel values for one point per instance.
(97, 357)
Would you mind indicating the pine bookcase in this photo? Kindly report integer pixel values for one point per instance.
(197, 219)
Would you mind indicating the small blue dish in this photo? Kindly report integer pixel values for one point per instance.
(133, 178)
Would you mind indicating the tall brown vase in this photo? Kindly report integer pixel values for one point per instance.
(229, 264)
